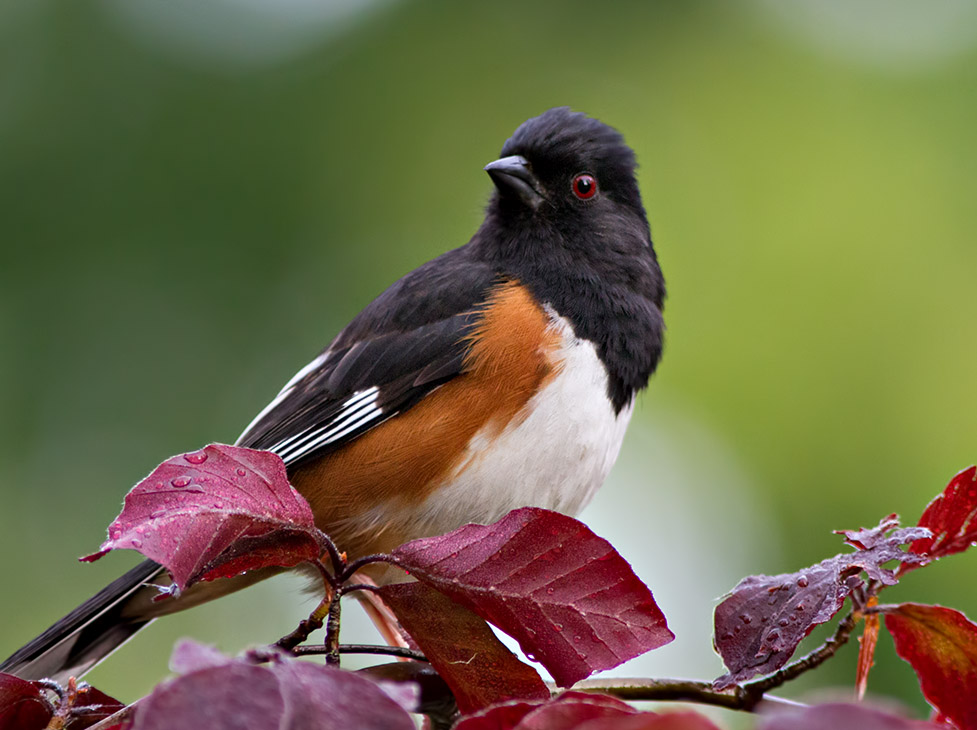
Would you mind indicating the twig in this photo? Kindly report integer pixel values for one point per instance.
(335, 557)
(332, 629)
(112, 720)
(738, 697)
(397, 651)
(359, 563)
(636, 688)
(306, 626)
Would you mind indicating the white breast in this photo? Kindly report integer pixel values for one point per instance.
(555, 457)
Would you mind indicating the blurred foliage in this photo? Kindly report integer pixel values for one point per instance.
(194, 201)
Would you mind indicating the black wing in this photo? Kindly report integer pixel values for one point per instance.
(406, 343)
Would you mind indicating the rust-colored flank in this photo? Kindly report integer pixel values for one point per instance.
(407, 457)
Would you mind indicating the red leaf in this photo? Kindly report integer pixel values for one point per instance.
(498, 717)
(840, 717)
(952, 519)
(215, 513)
(98, 706)
(759, 625)
(579, 711)
(548, 581)
(285, 693)
(23, 706)
(652, 721)
(565, 712)
(866, 650)
(478, 668)
(941, 646)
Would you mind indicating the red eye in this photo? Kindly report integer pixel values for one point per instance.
(585, 186)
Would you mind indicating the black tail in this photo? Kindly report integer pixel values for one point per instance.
(111, 617)
(90, 633)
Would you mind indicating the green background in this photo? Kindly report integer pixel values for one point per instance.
(196, 197)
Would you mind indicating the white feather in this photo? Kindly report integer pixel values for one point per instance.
(556, 457)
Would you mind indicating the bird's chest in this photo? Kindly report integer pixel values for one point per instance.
(553, 454)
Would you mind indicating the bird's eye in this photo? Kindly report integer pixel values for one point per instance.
(584, 186)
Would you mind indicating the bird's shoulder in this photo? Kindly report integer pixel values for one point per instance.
(412, 338)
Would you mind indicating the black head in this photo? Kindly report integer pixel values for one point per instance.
(567, 221)
(565, 166)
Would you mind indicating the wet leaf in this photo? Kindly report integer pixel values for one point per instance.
(215, 513)
(760, 623)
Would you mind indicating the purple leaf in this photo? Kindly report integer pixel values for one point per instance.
(760, 623)
(286, 693)
(216, 513)
(545, 579)
(841, 717)
(191, 656)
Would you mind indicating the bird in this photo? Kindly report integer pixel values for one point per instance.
(500, 374)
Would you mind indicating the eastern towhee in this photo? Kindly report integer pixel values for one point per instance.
(499, 375)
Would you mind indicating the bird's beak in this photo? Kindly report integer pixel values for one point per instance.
(512, 175)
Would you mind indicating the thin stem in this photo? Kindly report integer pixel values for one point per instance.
(116, 719)
(351, 587)
(397, 651)
(338, 563)
(329, 581)
(882, 608)
(332, 630)
(306, 626)
(359, 563)
(665, 689)
(738, 697)
(50, 684)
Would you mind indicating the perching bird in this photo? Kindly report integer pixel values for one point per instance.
(499, 375)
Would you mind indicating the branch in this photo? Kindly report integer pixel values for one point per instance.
(738, 697)
(119, 717)
(636, 688)
(397, 651)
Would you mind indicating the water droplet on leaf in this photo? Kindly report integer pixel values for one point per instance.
(196, 457)
(180, 482)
